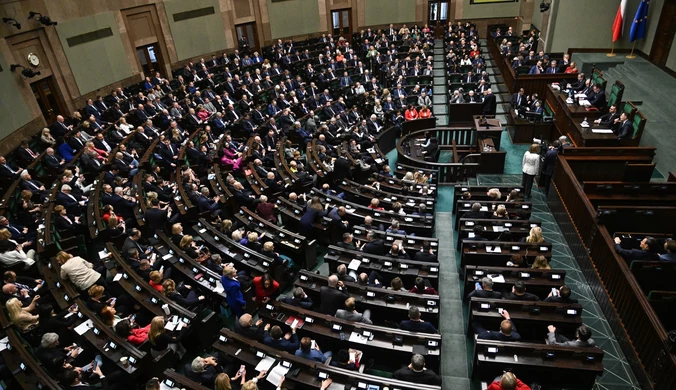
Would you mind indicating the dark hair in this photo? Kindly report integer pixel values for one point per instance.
(276, 332)
(651, 242)
(70, 376)
(44, 312)
(478, 229)
(123, 328)
(584, 333)
(565, 292)
(420, 284)
(519, 287)
(155, 202)
(343, 356)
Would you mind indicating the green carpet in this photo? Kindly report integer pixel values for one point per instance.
(514, 154)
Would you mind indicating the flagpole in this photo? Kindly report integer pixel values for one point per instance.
(612, 49)
(631, 55)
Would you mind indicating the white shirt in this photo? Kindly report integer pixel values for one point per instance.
(531, 163)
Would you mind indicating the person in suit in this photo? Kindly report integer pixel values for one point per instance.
(24, 155)
(33, 186)
(206, 204)
(347, 242)
(582, 337)
(562, 296)
(66, 222)
(203, 370)
(549, 164)
(332, 296)
(486, 290)
(246, 327)
(648, 250)
(7, 171)
(536, 69)
(598, 98)
(417, 373)
(157, 218)
(519, 99)
(52, 163)
(81, 379)
(625, 127)
(489, 102)
(507, 330)
(670, 248)
(519, 293)
(373, 245)
(610, 119)
(277, 339)
(475, 212)
(415, 323)
(299, 299)
(351, 314)
(426, 254)
(72, 204)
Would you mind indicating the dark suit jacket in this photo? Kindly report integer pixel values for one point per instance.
(490, 104)
(485, 294)
(375, 247)
(626, 130)
(156, 219)
(332, 299)
(635, 254)
(425, 377)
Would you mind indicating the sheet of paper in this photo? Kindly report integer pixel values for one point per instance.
(167, 256)
(493, 249)
(354, 264)
(265, 364)
(497, 278)
(484, 208)
(3, 343)
(103, 254)
(602, 131)
(275, 375)
(584, 125)
(580, 95)
(170, 326)
(498, 229)
(357, 338)
(585, 102)
(84, 327)
(117, 277)
(219, 289)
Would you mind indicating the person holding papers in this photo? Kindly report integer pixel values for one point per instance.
(160, 339)
(309, 349)
(275, 338)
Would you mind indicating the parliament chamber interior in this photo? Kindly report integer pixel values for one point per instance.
(337, 194)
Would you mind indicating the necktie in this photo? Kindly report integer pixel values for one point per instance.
(10, 169)
(67, 219)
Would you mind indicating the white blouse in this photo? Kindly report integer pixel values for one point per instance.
(531, 163)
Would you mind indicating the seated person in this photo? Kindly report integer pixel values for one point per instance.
(415, 323)
(508, 381)
(582, 337)
(186, 297)
(298, 299)
(423, 286)
(397, 284)
(308, 351)
(417, 373)
(670, 248)
(246, 327)
(132, 332)
(507, 330)
(83, 379)
(426, 254)
(343, 275)
(519, 293)
(344, 359)
(203, 370)
(540, 262)
(371, 279)
(275, 338)
(475, 212)
(58, 358)
(562, 295)
(486, 290)
(648, 250)
(351, 314)
(348, 242)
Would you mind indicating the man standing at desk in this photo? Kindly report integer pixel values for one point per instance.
(490, 102)
(519, 99)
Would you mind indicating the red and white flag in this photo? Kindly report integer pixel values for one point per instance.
(618, 24)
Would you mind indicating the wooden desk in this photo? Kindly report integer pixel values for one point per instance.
(494, 228)
(569, 367)
(537, 281)
(522, 131)
(568, 117)
(492, 128)
(382, 342)
(244, 350)
(475, 252)
(176, 380)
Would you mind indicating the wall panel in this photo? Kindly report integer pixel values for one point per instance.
(196, 36)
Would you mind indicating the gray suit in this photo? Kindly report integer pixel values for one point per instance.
(355, 317)
(551, 339)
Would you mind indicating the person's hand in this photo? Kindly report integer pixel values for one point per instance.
(505, 314)
(97, 371)
(24, 292)
(551, 328)
(266, 299)
(267, 327)
(262, 374)
(618, 240)
(74, 352)
(35, 298)
(281, 380)
(259, 322)
(340, 283)
(25, 230)
(326, 383)
(201, 297)
(287, 336)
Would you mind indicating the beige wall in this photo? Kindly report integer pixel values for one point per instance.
(98, 63)
(377, 12)
(482, 11)
(293, 17)
(13, 110)
(194, 37)
(587, 24)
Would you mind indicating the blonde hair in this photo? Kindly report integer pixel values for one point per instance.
(62, 257)
(535, 235)
(14, 309)
(58, 209)
(155, 276)
(408, 176)
(268, 246)
(249, 385)
(236, 235)
(5, 234)
(95, 290)
(228, 270)
(501, 210)
(168, 287)
(185, 241)
(222, 382)
(252, 237)
(541, 262)
(226, 224)
(156, 328)
(534, 148)
(176, 228)
(112, 221)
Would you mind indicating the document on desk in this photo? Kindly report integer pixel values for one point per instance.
(497, 278)
(103, 254)
(493, 249)
(265, 364)
(378, 160)
(3, 344)
(580, 95)
(354, 264)
(585, 102)
(498, 229)
(219, 289)
(358, 338)
(117, 277)
(602, 131)
(275, 375)
(84, 327)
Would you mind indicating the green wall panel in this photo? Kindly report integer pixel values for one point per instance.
(196, 36)
(13, 110)
(293, 17)
(388, 11)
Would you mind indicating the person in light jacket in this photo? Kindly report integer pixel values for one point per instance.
(530, 167)
(79, 271)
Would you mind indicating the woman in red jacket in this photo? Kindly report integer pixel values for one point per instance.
(411, 113)
(136, 336)
(508, 381)
(266, 288)
(424, 112)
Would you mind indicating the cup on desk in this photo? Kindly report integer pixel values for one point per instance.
(165, 307)
(124, 360)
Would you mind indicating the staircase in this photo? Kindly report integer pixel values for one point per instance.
(645, 82)
(439, 87)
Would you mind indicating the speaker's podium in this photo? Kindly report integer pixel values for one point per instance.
(489, 131)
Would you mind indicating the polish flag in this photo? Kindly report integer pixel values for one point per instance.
(618, 24)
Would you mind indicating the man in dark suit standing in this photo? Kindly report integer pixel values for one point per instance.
(648, 251)
(490, 102)
(24, 155)
(332, 296)
(156, 217)
(519, 99)
(549, 164)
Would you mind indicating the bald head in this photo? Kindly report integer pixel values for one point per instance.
(333, 281)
